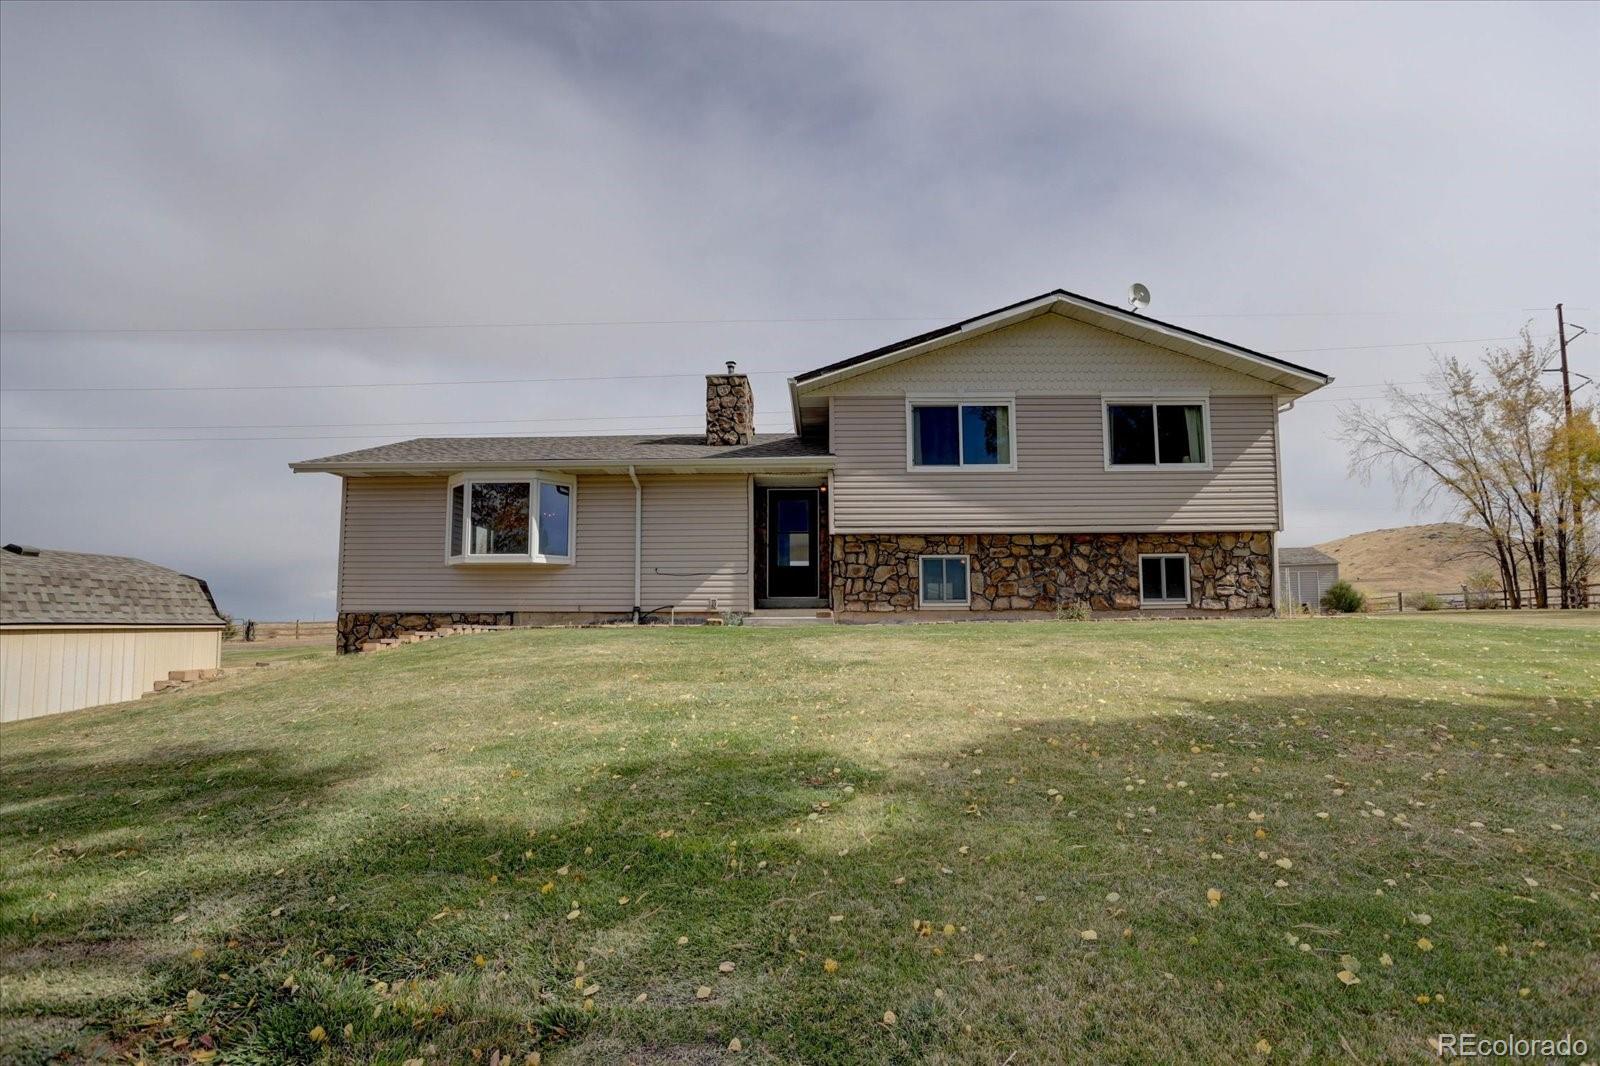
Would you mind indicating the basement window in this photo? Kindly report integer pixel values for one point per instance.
(1163, 580)
(517, 518)
(943, 581)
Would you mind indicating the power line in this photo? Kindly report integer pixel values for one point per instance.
(380, 425)
(362, 384)
(418, 326)
(599, 377)
(664, 430)
(400, 327)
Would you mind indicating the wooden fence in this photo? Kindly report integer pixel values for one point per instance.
(288, 630)
(1462, 598)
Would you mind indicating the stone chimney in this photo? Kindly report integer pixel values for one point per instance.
(730, 408)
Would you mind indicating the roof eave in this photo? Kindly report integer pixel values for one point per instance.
(1291, 376)
(730, 466)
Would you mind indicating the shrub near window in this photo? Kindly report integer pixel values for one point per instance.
(1343, 598)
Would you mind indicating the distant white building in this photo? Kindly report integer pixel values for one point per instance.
(80, 630)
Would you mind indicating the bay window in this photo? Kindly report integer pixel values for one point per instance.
(510, 518)
(1156, 433)
(960, 433)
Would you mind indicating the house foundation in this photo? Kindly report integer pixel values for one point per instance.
(879, 573)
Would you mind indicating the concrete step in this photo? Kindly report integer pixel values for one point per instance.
(789, 616)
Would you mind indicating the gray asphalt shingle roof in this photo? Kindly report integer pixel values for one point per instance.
(75, 588)
(620, 448)
(1305, 557)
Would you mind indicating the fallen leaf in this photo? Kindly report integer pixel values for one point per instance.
(1263, 1047)
(703, 992)
(889, 1017)
(734, 1045)
(1349, 978)
(1089, 934)
(830, 965)
(1213, 897)
(1424, 944)
(318, 1034)
(195, 998)
(724, 967)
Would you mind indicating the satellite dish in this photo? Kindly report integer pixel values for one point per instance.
(1139, 297)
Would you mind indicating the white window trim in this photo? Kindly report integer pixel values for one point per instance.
(533, 556)
(1163, 400)
(1188, 583)
(945, 605)
(1007, 401)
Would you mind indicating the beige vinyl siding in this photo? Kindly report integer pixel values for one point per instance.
(1050, 355)
(392, 549)
(1060, 484)
(697, 542)
(48, 671)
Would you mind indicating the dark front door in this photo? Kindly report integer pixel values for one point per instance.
(792, 544)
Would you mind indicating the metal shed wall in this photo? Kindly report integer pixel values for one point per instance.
(1306, 584)
(49, 671)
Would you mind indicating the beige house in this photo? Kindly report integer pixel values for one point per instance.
(80, 630)
(1058, 451)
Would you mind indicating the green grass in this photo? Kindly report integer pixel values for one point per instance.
(442, 846)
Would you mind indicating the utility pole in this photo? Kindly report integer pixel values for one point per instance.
(1575, 592)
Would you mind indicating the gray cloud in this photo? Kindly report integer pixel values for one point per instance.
(220, 166)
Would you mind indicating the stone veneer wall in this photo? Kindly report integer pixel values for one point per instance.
(1041, 571)
(358, 627)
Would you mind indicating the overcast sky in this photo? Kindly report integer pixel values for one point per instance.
(621, 191)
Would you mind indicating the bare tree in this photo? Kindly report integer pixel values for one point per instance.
(1495, 446)
(1522, 417)
(1434, 442)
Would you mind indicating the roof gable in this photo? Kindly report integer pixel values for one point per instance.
(1283, 375)
(1047, 355)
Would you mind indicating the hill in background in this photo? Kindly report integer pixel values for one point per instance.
(1432, 558)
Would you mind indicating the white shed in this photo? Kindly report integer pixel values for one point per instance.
(1304, 574)
(79, 630)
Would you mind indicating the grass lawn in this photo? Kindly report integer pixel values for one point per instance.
(1297, 841)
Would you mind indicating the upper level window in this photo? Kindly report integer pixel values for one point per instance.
(950, 433)
(1157, 433)
(499, 518)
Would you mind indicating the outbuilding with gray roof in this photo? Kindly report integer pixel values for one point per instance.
(80, 629)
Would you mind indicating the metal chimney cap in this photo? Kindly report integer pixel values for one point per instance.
(731, 366)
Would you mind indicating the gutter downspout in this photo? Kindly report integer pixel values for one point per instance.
(638, 538)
